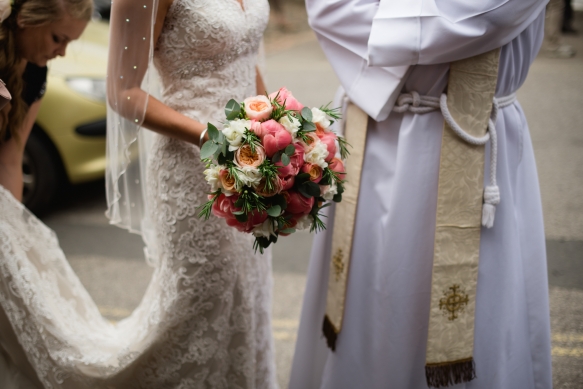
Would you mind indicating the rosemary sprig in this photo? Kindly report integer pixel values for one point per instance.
(206, 208)
(344, 153)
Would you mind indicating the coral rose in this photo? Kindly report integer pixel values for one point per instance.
(285, 97)
(258, 108)
(329, 139)
(336, 165)
(254, 219)
(245, 157)
(314, 171)
(224, 206)
(297, 203)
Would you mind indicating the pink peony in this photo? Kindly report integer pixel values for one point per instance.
(314, 171)
(288, 181)
(285, 97)
(274, 137)
(297, 203)
(258, 108)
(329, 139)
(284, 171)
(336, 165)
(256, 128)
(297, 159)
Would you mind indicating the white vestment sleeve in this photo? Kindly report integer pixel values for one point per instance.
(427, 32)
(343, 29)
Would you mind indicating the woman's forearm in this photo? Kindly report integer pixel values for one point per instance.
(166, 121)
(261, 88)
(11, 154)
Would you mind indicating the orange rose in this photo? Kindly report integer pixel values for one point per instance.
(277, 187)
(227, 181)
(245, 157)
(314, 171)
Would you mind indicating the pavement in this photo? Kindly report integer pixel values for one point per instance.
(110, 261)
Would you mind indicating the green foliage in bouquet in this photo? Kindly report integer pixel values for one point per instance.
(216, 151)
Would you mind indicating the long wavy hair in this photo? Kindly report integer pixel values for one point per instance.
(33, 13)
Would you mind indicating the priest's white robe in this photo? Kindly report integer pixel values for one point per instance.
(377, 50)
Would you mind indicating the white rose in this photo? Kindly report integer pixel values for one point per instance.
(265, 229)
(211, 175)
(5, 10)
(329, 193)
(304, 223)
(234, 131)
(292, 126)
(317, 155)
(319, 117)
(250, 176)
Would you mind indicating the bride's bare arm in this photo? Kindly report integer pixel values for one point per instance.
(261, 88)
(11, 153)
(128, 65)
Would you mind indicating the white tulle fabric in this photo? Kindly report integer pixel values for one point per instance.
(204, 321)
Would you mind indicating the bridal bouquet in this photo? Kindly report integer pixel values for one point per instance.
(273, 166)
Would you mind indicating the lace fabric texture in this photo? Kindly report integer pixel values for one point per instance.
(204, 321)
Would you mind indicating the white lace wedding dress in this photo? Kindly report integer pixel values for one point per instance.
(204, 321)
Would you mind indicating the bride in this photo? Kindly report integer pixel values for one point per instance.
(204, 321)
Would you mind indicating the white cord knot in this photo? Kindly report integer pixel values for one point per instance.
(492, 195)
(416, 98)
(414, 103)
(491, 199)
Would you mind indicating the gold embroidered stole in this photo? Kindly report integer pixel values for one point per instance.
(471, 87)
(344, 219)
(450, 343)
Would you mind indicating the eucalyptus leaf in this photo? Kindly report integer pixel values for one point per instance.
(232, 110)
(224, 147)
(217, 153)
(288, 231)
(307, 114)
(274, 211)
(213, 132)
(276, 157)
(208, 149)
(285, 159)
(303, 191)
(290, 150)
(308, 127)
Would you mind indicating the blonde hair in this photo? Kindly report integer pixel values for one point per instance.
(33, 13)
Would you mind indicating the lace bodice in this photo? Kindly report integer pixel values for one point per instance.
(207, 54)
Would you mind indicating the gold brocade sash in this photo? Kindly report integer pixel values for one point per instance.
(344, 219)
(449, 357)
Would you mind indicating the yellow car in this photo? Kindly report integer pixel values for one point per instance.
(67, 143)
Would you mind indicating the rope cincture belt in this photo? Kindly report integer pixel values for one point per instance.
(415, 103)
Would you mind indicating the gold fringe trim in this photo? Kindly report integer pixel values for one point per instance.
(444, 374)
(330, 333)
